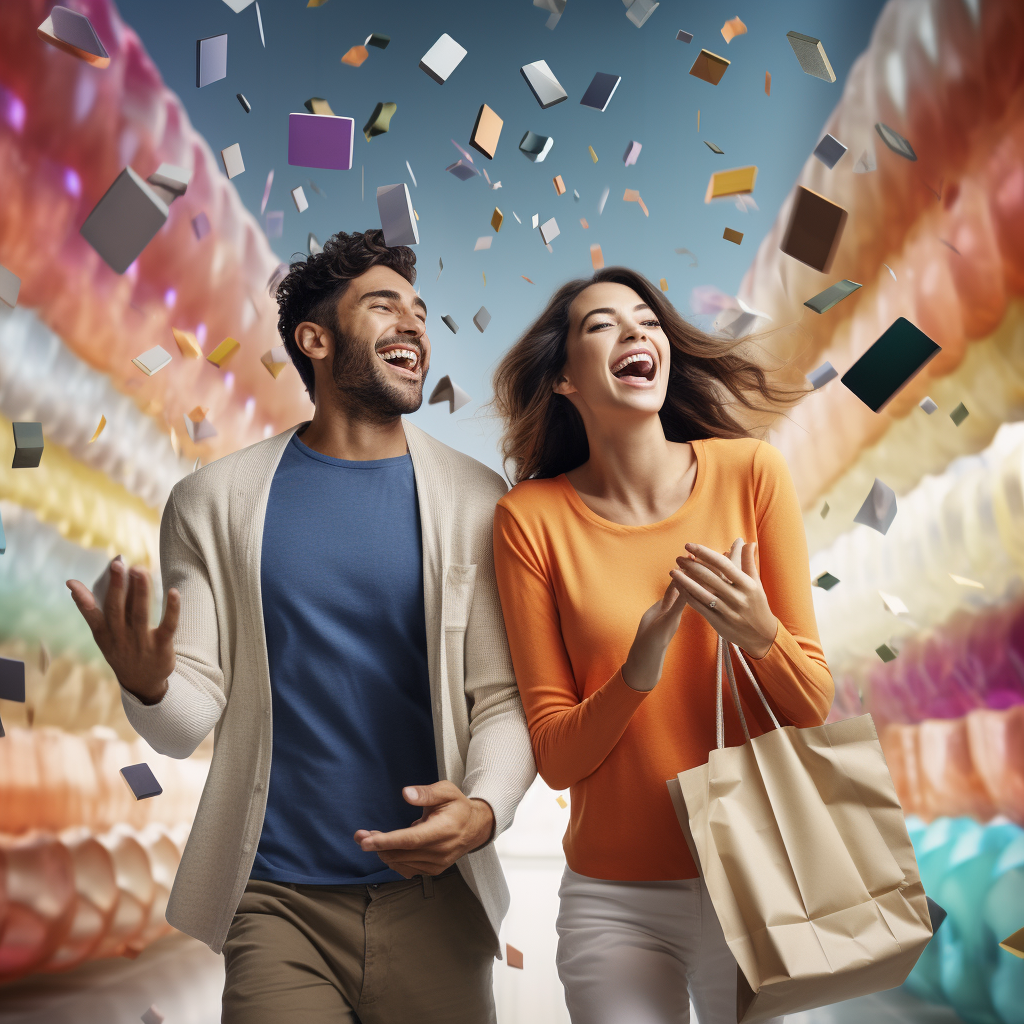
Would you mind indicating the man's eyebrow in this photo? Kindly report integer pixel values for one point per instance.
(611, 312)
(387, 293)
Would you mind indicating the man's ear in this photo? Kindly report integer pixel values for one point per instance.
(563, 386)
(313, 340)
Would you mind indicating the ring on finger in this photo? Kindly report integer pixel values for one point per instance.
(714, 601)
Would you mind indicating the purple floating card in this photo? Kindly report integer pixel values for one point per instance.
(76, 30)
(141, 780)
(320, 140)
(12, 679)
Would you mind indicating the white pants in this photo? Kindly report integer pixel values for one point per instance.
(638, 952)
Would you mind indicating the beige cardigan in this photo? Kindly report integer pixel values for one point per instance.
(211, 538)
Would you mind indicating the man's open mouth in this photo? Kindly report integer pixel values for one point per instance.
(402, 358)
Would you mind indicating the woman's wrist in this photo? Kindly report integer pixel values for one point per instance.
(636, 679)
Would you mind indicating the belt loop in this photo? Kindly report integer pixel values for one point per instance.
(428, 887)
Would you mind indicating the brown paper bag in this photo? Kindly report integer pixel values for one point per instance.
(801, 841)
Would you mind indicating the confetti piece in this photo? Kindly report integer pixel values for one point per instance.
(526, 279)
(826, 581)
(733, 236)
(560, 800)
(266, 191)
(886, 653)
(450, 324)
(440, 267)
(698, 120)
(811, 55)
(442, 58)
(497, 219)
(411, 175)
(483, 242)
(602, 201)
(893, 603)
(732, 28)
(152, 1016)
(259, 21)
(767, 83)
(141, 781)
(959, 414)
(965, 582)
(686, 252)
(631, 154)
(481, 319)
(927, 405)
(28, 445)
(684, 37)
(596, 257)
(583, 223)
(99, 429)
(275, 360)
(355, 56)
(593, 155)
(512, 955)
(448, 391)
(1014, 943)
(663, 285)
(559, 185)
(949, 245)
(153, 360)
(891, 271)
(714, 148)
(486, 131)
(731, 182)
(825, 511)
(516, 215)
(223, 352)
(892, 138)
(485, 280)
(709, 67)
(246, 106)
(188, 346)
(380, 120)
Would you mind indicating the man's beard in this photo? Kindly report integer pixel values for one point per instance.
(362, 384)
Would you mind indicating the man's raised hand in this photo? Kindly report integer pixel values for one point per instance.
(142, 658)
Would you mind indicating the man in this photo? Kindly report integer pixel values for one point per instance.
(332, 612)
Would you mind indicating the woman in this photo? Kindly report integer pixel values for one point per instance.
(633, 474)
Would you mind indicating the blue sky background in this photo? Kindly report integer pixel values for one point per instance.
(656, 104)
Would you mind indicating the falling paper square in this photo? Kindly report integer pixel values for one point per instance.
(536, 147)
(543, 84)
(549, 231)
(275, 224)
(896, 142)
(168, 182)
(450, 324)
(223, 352)
(825, 580)
(211, 60)
(893, 603)
(811, 55)
(486, 131)
(259, 22)
(201, 226)
(396, 215)
(600, 91)
(879, 508)
(824, 301)
(275, 360)
(232, 159)
(316, 140)
(10, 286)
(497, 219)
(512, 955)
(732, 236)
(640, 10)
(596, 257)
(246, 106)
(684, 37)
(377, 40)
(886, 653)
(483, 242)
(187, 344)
(959, 414)
(815, 229)
(829, 151)
(602, 201)
(73, 33)
(738, 180)
(141, 781)
(482, 319)
(559, 185)
(355, 56)
(448, 391)
(732, 28)
(28, 445)
(709, 67)
(12, 680)
(824, 511)
(462, 170)
(442, 58)
(890, 363)
(767, 83)
(1014, 943)
(299, 198)
(380, 120)
(199, 428)
(152, 360)
(822, 375)
(238, 5)
(928, 405)
(125, 220)
(865, 162)
(632, 152)
(714, 148)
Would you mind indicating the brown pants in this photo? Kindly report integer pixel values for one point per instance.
(418, 951)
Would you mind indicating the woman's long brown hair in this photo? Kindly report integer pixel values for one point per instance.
(544, 434)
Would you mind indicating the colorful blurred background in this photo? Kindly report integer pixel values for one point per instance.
(84, 868)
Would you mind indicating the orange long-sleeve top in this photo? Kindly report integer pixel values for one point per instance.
(573, 587)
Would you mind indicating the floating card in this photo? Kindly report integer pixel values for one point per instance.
(153, 1015)
(600, 91)
(596, 257)
(815, 229)
(275, 360)
(448, 391)
(232, 160)
(199, 428)
(28, 445)
(959, 414)
(318, 140)
(318, 105)
(732, 28)
(211, 60)
(714, 148)
(536, 147)
(684, 37)
(299, 199)
(559, 184)
(482, 319)
(893, 360)
(811, 55)
(187, 344)
(1014, 944)
(879, 508)
(380, 120)
(736, 181)
(141, 781)
(829, 151)
(355, 56)
(732, 236)
(895, 142)
(545, 87)
(152, 360)
(125, 220)
(512, 955)
(709, 67)
(246, 105)
(12, 680)
(10, 286)
(632, 152)
(201, 226)
(462, 170)
(483, 242)
(927, 405)
(442, 58)
(640, 10)
(822, 375)
(486, 132)
(826, 581)
(886, 653)
(225, 351)
(497, 219)
(824, 301)
(549, 231)
(397, 218)
(450, 323)
(376, 39)
(73, 33)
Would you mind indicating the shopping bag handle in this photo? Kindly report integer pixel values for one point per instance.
(722, 658)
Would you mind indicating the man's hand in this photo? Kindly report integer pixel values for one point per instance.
(142, 658)
(452, 825)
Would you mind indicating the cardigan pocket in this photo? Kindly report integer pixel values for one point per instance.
(460, 583)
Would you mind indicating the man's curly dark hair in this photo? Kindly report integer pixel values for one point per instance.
(313, 286)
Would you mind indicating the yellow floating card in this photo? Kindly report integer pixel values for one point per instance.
(223, 352)
(730, 183)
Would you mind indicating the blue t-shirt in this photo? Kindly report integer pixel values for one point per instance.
(342, 585)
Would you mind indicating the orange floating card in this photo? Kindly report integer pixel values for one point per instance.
(513, 956)
(559, 184)
(187, 343)
(709, 67)
(733, 182)
(733, 236)
(355, 57)
(732, 28)
(767, 83)
(596, 257)
(486, 132)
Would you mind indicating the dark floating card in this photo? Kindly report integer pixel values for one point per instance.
(898, 355)
(936, 913)
(12, 680)
(141, 781)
